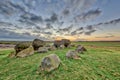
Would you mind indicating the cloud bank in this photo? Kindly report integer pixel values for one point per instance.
(48, 19)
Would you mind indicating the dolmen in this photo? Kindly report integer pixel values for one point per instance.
(22, 49)
(37, 43)
(64, 43)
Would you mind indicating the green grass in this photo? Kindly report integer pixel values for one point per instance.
(101, 63)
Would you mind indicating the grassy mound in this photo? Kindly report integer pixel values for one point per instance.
(100, 62)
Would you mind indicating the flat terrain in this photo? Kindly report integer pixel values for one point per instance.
(100, 62)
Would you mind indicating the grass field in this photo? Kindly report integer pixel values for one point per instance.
(100, 62)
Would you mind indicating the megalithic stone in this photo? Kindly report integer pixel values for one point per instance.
(72, 55)
(26, 52)
(50, 62)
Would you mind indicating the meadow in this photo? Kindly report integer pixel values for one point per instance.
(100, 62)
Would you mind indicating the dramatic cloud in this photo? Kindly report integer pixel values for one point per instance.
(50, 18)
(12, 35)
(90, 15)
(8, 8)
(66, 12)
(89, 29)
(90, 32)
(107, 36)
(32, 17)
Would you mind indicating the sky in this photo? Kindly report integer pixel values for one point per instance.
(79, 20)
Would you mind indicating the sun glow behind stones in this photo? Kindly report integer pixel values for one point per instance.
(72, 38)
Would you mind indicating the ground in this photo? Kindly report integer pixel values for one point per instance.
(100, 62)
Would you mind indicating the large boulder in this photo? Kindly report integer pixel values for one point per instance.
(50, 62)
(72, 55)
(57, 43)
(38, 43)
(21, 46)
(80, 49)
(26, 52)
(66, 42)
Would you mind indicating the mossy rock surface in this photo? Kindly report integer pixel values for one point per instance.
(72, 55)
(26, 52)
(21, 46)
(50, 62)
(42, 50)
(80, 49)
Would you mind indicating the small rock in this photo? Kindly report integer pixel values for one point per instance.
(72, 55)
(80, 49)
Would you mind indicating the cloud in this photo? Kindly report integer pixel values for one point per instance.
(90, 15)
(66, 12)
(52, 19)
(107, 36)
(89, 32)
(102, 25)
(29, 4)
(12, 35)
(32, 17)
(115, 21)
(79, 4)
(89, 29)
(8, 8)
(5, 24)
(49, 26)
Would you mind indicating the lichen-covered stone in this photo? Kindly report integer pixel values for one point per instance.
(21, 46)
(80, 49)
(72, 55)
(26, 52)
(50, 62)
